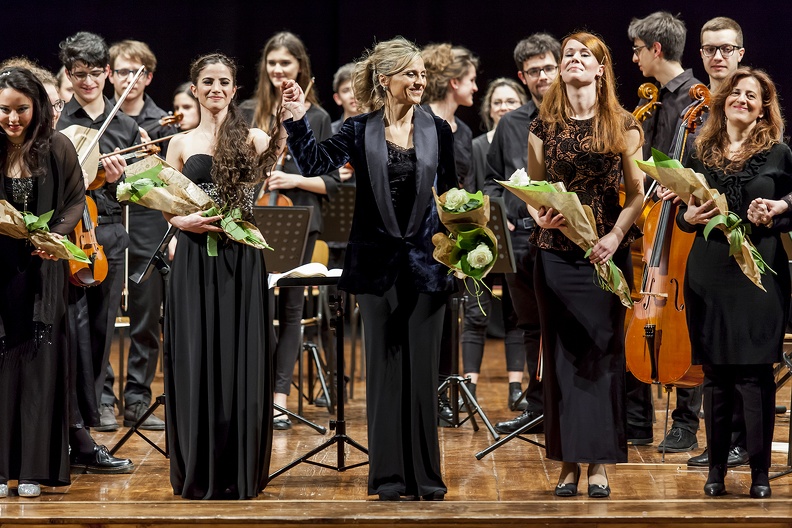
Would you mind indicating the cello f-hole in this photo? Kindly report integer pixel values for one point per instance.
(678, 307)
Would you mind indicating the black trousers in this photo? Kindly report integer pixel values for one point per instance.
(523, 295)
(755, 385)
(474, 332)
(146, 229)
(403, 329)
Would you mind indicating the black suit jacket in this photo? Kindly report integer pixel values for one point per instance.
(378, 252)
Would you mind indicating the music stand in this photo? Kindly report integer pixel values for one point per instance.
(286, 229)
(340, 438)
(337, 214)
(159, 261)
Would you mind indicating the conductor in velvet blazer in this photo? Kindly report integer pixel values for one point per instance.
(399, 152)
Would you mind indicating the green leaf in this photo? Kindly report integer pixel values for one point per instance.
(79, 254)
(212, 239)
(152, 174)
(35, 223)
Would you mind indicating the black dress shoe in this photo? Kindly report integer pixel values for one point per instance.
(639, 435)
(101, 461)
(389, 495)
(737, 457)
(598, 491)
(445, 415)
(568, 489)
(437, 495)
(526, 417)
(281, 424)
(715, 486)
(515, 391)
(760, 484)
(678, 440)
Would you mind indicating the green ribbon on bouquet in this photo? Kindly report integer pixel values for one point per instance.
(736, 231)
(40, 224)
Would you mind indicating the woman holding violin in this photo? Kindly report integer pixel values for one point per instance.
(285, 58)
(736, 329)
(585, 139)
(39, 173)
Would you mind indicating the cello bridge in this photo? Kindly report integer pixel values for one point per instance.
(653, 294)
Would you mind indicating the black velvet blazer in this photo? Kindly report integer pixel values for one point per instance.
(378, 252)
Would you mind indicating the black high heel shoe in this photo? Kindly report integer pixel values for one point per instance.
(715, 486)
(599, 491)
(760, 484)
(569, 489)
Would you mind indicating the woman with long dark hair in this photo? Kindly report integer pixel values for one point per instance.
(39, 173)
(218, 368)
(285, 58)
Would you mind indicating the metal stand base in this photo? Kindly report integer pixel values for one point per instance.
(458, 388)
(340, 438)
(516, 434)
(135, 429)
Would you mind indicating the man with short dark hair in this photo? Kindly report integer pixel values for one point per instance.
(536, 58)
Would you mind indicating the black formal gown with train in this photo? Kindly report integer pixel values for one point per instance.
(218, 366)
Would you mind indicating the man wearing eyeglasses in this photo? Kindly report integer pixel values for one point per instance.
(658, 43)
(146, 228)
(536, 58)
(92, 310)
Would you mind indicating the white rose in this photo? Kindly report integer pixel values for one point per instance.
(480, 257)
(520, 177)
(456, 198)
(124, 191)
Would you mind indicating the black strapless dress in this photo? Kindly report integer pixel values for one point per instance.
(218, 366)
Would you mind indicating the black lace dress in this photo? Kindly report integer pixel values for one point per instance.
(582, 325)
(218, 367)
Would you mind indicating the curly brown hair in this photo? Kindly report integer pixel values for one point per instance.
(712, 144)
(236, 163)
(444, 62)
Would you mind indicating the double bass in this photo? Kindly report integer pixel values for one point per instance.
(657, 342)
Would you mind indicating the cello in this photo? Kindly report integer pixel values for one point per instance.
(657, 342)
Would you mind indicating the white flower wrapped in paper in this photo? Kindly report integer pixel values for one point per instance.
(480, 257)
(154, 184)
(581, 227)
(686, 183)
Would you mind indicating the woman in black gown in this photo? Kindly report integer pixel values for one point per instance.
(399, 151)
(585, 139)
(218, 372)
(39, 173)
(736, 329)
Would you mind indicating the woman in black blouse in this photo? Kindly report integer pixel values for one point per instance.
(399, 151)
(39, 173)
(585, 139)
(736, 329)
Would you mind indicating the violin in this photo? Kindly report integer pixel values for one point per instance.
(143, 150)
(275, 198)
(651, 92)
(657, 341)
(84, 237)
(173, 118)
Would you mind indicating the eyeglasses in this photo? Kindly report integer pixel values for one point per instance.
(636, 49)
(536, 72)
(124, 73)
(726, 50)
(82, 76)
(507, 102)
(58, 105)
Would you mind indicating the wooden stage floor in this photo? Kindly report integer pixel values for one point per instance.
(513, 486)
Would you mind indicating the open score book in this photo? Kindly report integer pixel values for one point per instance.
(312, 269)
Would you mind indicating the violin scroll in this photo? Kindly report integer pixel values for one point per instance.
(650, 92)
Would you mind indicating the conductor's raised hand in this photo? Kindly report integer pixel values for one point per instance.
(293, 99)
(196, 222)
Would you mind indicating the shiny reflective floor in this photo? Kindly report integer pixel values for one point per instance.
(512, 486)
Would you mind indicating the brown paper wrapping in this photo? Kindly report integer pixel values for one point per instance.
(581, 227)
(13, 225)
(479, 216)
(686, 182)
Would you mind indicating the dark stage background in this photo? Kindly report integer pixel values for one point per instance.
(337, 31)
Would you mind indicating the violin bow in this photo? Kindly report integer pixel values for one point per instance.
(110, 117)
